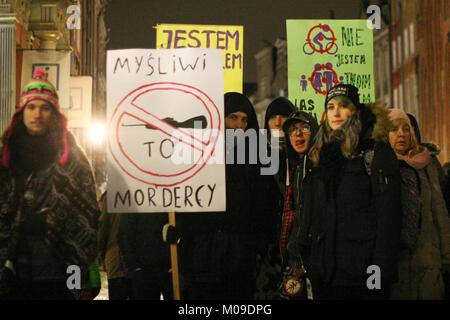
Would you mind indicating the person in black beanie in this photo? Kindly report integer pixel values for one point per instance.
(356, 206)
(268, 256)
(217, 250)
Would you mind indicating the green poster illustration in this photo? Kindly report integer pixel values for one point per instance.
(323, 53)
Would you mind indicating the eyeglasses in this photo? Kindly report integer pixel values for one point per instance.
(305, 129)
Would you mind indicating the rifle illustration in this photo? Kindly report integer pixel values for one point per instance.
(189, 123)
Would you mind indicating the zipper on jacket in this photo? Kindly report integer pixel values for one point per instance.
(301, 196)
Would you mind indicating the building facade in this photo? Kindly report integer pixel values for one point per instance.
(45, 25)
(420, 37)
(271, 72)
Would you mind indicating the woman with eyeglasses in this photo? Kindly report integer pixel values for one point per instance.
(355, 232)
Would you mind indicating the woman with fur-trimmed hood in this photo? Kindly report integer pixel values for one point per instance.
(48, 205)
(357, 208)
(424, 260)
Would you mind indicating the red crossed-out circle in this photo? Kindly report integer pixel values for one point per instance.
(325, 28)
(322, 67)
(123, 160)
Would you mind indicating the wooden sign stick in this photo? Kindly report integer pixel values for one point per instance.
(174, 259)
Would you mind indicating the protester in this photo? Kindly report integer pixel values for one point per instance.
(425, 255)
(268, 253)
(433, 148)
(146, 255)
(217, 250)
(300, 128)
(110, 256)
(48, 206)
(357, 209)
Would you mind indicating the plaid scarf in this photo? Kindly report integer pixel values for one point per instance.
(288, 216)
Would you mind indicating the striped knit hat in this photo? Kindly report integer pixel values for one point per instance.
(39, 88)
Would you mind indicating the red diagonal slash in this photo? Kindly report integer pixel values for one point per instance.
(163, 126)
(148, 118)
(168, 127)
(146, 171)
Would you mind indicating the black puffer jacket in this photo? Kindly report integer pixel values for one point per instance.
(357, 216)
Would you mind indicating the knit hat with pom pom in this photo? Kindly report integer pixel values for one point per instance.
(39, 88)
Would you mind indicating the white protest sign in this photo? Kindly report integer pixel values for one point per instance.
(165, 130)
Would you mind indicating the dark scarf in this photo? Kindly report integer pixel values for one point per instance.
(32, 153)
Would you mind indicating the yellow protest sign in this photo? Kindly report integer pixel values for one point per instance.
(228, 38)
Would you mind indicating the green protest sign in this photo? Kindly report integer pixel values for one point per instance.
(323, 53)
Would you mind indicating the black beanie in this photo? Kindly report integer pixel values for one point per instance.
(347, 90)
(237, 102)
(281, 106)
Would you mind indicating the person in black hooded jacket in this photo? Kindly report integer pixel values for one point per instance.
(217, 249)
(300, 130)
(357, 211)
(273, 185)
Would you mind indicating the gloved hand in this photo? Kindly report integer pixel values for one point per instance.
(170, 234)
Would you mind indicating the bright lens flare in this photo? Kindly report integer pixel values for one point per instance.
(97, 133)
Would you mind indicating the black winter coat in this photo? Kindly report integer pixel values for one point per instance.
(217, 247)
(140, 241)
(357, 216)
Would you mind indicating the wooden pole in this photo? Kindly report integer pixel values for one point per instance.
(174, 259)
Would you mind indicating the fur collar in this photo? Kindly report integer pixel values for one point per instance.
(382, 125)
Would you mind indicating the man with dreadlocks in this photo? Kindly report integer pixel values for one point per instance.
(48, 207)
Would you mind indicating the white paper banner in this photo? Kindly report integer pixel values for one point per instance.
(165, 130)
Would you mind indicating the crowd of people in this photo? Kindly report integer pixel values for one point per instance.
(358, 209)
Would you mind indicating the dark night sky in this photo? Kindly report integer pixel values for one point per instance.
(131, 21)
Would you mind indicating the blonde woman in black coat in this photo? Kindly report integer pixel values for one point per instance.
(356, 209)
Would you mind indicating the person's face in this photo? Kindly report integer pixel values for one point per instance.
(299, 136)
(36, 116)
(337, 113)
(400, 137)
(236, 120)
(276, 122)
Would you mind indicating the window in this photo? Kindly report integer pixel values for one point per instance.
(395, 98)
(394, 55)
(406, 43)
(411, 37)
(47, 13)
